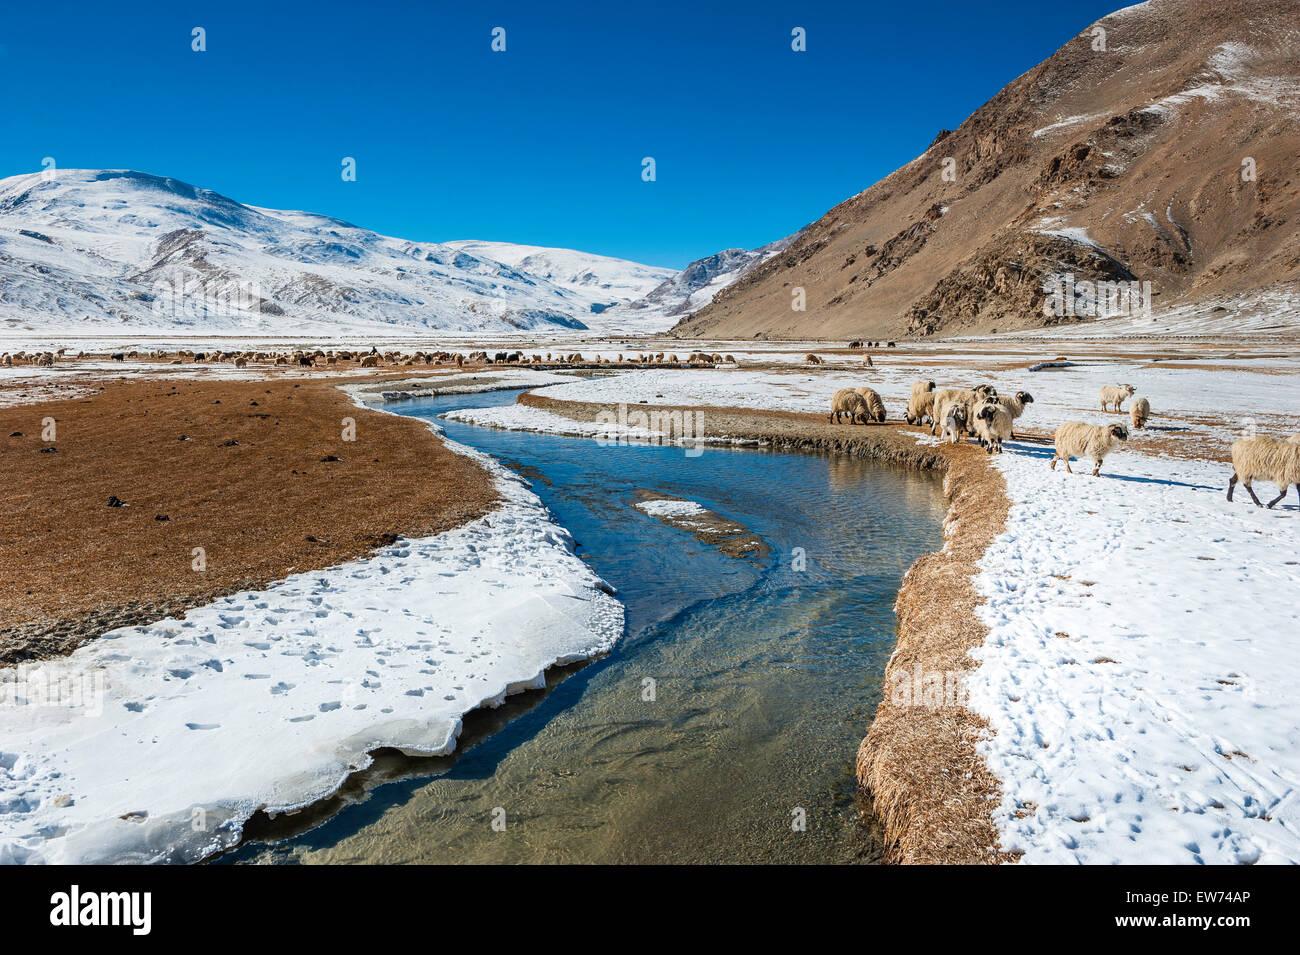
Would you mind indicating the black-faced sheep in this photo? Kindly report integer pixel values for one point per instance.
(1266, 459)
(1074, 439)
(954, 422)
(1139, 412)
(967, 396)
(1115, 395)
(993, 426)
(846, 401)
(1015, 406)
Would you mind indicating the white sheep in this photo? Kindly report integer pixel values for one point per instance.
(1139, 412)
(1015, 406)
(849, 402)
(954, 422)
(1074, 439)
(919, 407)
(993, 426)
(1268, 459)
(920, 402)
(1115, 395)
(950, 396)
(875, 406)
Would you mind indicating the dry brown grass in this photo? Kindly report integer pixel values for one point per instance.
(267, 505)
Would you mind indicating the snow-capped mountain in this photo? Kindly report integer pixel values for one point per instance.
(98, 251)
(603, 281)
(696, 285)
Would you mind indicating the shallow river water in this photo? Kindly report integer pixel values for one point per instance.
(731, 711)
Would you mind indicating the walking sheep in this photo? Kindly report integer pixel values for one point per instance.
(1074, 439)
(875, 406)
(812, 359)
(1267, 459)
(993, 426)
(954, 423)
(1015, 406)
(849, 402)
(1115, 395)
(1139, 412)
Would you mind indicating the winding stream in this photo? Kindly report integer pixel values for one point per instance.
(764, 676)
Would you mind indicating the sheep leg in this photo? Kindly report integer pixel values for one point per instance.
(1066, 459)
(1232, 484)
(1096, 469)
(1278, 498)
(1257, 501)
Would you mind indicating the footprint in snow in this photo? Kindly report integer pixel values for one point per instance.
(203, 726)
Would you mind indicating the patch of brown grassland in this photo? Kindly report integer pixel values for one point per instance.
(257, 473)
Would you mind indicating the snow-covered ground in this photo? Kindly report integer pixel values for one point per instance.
(164, 739)
(1141, 671)
(1138, 674)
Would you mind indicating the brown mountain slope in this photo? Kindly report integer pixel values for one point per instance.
(1131, 162)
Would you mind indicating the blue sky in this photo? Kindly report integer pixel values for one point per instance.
(541, 144)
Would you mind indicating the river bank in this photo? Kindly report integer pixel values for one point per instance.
(928, 785)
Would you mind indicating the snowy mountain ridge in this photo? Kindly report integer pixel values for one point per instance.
(98, 251)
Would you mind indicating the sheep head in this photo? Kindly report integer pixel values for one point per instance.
(1119, 432)
(1024, 397)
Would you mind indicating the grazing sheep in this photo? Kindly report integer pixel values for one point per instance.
(993, 426)
(241, 363)
(812, 359)
(1115, 395)
(1140, 412)
(875, 406)
(972, 397)
(1015, 406)
(370, 361)
(846, 401)
(954, 422)
(919, 407)
(921, 401)
(866, 360)
(1074, 439)
(1267, 459)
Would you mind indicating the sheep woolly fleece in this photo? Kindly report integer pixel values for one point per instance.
(270, 699)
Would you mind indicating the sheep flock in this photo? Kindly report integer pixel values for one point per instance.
(953, 414)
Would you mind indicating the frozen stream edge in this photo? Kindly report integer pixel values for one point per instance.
(269, 699)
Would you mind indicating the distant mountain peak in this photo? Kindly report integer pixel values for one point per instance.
(110, 250)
